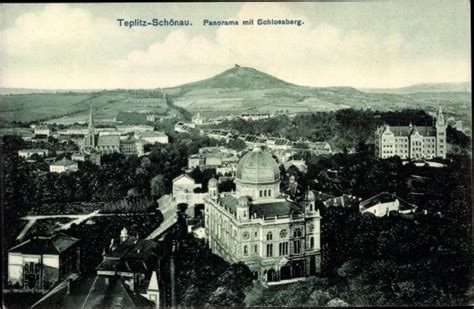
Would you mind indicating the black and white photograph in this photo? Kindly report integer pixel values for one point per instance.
(236, 154)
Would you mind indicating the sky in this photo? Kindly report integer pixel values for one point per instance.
(360, 44)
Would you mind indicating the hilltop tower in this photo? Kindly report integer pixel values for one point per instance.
(440, 135)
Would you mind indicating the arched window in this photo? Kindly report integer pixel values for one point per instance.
(269, 236)
(297, 233)
(261, 193)
(269, 192)
(246, 251)
(311, 242)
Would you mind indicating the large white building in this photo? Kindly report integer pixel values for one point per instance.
(63, 166)
(276, 238)
(412, 142)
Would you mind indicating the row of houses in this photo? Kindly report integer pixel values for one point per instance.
(133, 273)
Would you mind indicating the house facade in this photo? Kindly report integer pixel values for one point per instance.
(63, 166)
(41, 262)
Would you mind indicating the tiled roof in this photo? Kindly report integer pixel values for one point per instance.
(45, 245)
(109, 140)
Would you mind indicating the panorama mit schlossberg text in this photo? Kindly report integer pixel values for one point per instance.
(164, 22)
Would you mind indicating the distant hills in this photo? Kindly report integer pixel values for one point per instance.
(242, 89)
(429, 87)
(236, 90)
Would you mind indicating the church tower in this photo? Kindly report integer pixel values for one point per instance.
(440, 135)
(89, 142)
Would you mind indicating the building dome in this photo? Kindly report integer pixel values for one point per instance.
(309, 196)
(212, 183)
(257, 166)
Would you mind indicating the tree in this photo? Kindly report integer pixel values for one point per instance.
(157, 186)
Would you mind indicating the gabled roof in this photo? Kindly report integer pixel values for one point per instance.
(185, 177)
(45, 245)
(385, 197)
(408, 130)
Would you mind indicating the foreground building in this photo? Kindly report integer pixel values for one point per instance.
(41, 262)
(411, 142)
(277, 239)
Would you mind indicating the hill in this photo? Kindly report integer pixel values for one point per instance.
(236, 90)
(429, 87)
(238, 78)
(242, 89)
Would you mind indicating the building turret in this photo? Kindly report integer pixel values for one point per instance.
(243, 208)
(124, 235)
(213, 188)
(309, 202)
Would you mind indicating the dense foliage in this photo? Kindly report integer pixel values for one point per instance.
(421, 259)
(342, 128)
(205, 278)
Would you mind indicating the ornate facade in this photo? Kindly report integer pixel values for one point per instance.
(276, 238)
(410, 142)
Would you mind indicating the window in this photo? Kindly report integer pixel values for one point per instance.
(269, 236)
(261, 193)
(283, 233)
(256, 248)
(284, 248)
(311, 242)
(296, 246)
(297, 233)
(269, 192)
(246, 251)
(269, 250)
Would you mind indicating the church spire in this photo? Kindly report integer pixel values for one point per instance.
(440, 117)
(91, 118)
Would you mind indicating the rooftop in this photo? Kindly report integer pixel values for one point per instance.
(64, 162)
(109, 140)
(265, 209)
(153, 134)
(45, 245)
(385, 197)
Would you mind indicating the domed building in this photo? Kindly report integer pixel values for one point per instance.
(276, 238)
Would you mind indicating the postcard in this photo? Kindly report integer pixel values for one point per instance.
(236, 154)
